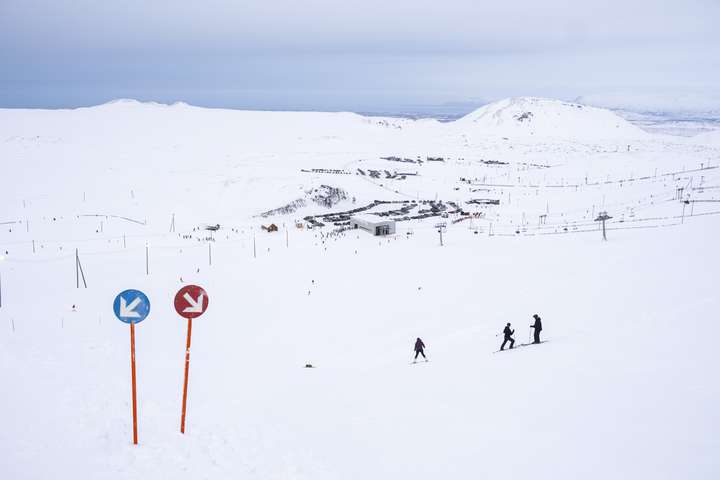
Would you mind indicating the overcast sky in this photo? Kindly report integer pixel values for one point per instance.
(369, 55)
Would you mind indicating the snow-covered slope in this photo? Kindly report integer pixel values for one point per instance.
(623, 388)
(540, 117)
(708, 138)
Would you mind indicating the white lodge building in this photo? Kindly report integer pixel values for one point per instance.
(373, 224)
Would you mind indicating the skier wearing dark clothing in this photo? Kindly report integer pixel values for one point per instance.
(508, 337)
(538, 328)
(419, 349)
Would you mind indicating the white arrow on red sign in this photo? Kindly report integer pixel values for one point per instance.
(196, 306)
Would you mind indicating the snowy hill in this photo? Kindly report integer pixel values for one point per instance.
(621, 389)
(708, 138)
(528, 116)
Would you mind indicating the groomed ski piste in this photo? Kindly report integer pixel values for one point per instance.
(624, 388)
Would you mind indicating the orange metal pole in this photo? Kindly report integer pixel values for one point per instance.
(134, 389)
(187, 370)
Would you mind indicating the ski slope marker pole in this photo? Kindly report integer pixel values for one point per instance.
(132, 306)
(187, 371)
(134, 388)
(191, 301)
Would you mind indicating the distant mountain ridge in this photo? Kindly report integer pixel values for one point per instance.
(518, 117)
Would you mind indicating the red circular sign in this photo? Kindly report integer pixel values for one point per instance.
(191, 301)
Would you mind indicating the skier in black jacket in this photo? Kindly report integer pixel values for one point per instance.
(538, 328)
(508, 338)
(419, 349)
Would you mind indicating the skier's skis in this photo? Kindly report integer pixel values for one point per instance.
(520, 345)
(532, 343)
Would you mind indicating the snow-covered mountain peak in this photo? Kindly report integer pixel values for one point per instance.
(547, 118)
(129, 103)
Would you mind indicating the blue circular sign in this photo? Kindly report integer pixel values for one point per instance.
(131, 306)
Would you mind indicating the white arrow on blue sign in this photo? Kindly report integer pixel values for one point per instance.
(131, 306)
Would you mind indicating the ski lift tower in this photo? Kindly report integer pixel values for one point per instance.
(441, 227)
(601, 218)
